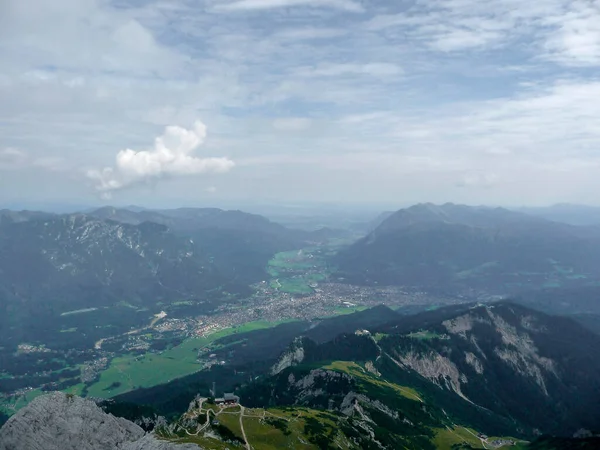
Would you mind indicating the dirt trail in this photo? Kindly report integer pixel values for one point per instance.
(483, 442)
(242, 427)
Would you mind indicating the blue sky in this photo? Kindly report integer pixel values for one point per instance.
(197, 102)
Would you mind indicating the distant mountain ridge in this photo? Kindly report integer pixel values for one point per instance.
(56, 264)
(462, 246)
(10, 216)
(52, 266)
(191, 219)
(471, 216)
(567, 213)
(240, 244)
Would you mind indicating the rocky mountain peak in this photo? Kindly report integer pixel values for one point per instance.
(59, 421)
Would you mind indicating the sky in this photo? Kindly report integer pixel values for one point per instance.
(202, 102)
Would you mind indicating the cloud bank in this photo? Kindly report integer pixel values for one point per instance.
(253, 5)
(337, 100)
(171, 156)
(13, 158)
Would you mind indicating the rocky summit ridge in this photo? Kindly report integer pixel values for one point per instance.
(59, 421)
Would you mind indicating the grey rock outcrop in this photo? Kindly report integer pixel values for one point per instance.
(149, 442)
(58, 421)
(293, 356)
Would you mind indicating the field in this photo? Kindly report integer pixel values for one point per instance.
(265, 436)
(379, 336)
(344, 310)
(129, 372)
(231, 420)
(425, 335)
(10, 407)
(450, 438)
(476, 271)
(294, 285)
(298, 271)
(69, 330)
(294, 260)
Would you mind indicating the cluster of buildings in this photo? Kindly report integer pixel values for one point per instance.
(183, 325)
(227, 399)
(30, 348)
(273, 305)
(91, 369)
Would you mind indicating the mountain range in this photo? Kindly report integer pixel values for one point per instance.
(466, 376)
(496, 370)
(567, 213)
(471, 375)
(461, 247)
(118, 263)
(421, 381)
(501, 360)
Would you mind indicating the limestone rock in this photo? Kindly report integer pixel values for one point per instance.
(58, 421)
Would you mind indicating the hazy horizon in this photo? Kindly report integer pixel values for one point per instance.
(305, 209)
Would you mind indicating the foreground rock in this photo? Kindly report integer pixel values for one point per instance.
(62, 422)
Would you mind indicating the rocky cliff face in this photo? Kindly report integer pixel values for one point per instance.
(524, 365)
(293, 356)
(484, 340)
(504, 368)
(61, 422)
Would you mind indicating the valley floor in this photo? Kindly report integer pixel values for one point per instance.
(300, 290)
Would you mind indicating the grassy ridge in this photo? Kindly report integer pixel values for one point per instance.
(352, 368)
(267, 429)
(415, 425)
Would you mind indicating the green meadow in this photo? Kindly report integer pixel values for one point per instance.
(128, 372)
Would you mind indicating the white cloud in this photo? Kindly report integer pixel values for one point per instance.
(460, 39)
(249, 5)
(548, 121)
(576, 41)
(51, 163)
(565, 31)
(373, 69)
(309, 33)
(433, 94)
(452, 25)
(292, 124)
(478, 180)
(84, 35)
(171, 156)
(12, 158)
